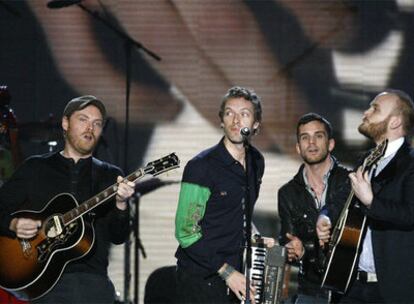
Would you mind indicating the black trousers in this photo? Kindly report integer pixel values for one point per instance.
(80, 288)
(195, 289)
(362, 292)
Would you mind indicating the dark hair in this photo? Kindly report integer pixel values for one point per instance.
(307, 118)
(405, 108)
(248, 94)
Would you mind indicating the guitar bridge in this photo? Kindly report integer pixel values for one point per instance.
(26, 248)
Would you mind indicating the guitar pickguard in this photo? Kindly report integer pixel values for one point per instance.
(55, 240)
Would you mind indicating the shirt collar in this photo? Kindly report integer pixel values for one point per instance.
(319, 203)
(70, 161)
(325, 176)
(223, 154)
(393, 147)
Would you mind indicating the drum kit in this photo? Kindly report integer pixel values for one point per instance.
(47, 133)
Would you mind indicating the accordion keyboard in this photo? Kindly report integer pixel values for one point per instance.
(257, 271)
(267, 273)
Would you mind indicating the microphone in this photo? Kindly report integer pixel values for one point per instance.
(61, 3)
(245, 132)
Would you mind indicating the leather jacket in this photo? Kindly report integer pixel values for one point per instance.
(298, 215)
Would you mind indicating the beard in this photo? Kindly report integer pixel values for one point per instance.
(374, 130)
(315, 159)
(79, 144)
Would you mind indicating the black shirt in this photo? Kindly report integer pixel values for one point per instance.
(220, 229)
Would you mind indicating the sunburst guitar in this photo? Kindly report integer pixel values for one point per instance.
(29, 268)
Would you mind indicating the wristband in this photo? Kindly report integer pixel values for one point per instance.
(228, 270)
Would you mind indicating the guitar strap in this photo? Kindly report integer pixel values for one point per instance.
(94, 187)
(95, 182)
(94, 177)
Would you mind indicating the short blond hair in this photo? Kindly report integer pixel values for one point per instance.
(405, 108)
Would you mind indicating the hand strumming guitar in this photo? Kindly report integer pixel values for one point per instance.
(323, 229)
(25, 228)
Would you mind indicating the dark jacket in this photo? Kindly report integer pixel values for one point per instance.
(298, 215)
(391, 220)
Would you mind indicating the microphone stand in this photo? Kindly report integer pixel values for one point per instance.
(138, 246)
(141, 189)
(248, 217)
(129, 43)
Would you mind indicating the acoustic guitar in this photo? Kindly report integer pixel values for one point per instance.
(29, 268)
(344, 245)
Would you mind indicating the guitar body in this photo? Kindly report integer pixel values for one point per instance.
(343, 251)
(30, 268)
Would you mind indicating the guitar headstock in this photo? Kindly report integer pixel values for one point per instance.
(376, 154)
(162, 165)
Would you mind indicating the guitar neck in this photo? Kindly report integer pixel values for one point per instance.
(100, 198)
(156, 167)
(339, 222)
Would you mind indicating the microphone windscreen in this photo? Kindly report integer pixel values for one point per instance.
(245, 131)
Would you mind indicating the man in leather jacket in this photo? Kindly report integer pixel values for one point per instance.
(301, 199)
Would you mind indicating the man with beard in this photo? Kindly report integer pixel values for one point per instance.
(384, 269)
(301, 199)
(74, 171)
(211, 209)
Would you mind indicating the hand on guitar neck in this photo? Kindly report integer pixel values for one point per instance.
(323, 230)
(361, 185)
(125, 190)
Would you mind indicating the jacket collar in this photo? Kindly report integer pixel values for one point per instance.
(299, 175)
(395, 166)
(393, 147)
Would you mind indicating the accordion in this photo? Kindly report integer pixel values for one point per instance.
(267, 272)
